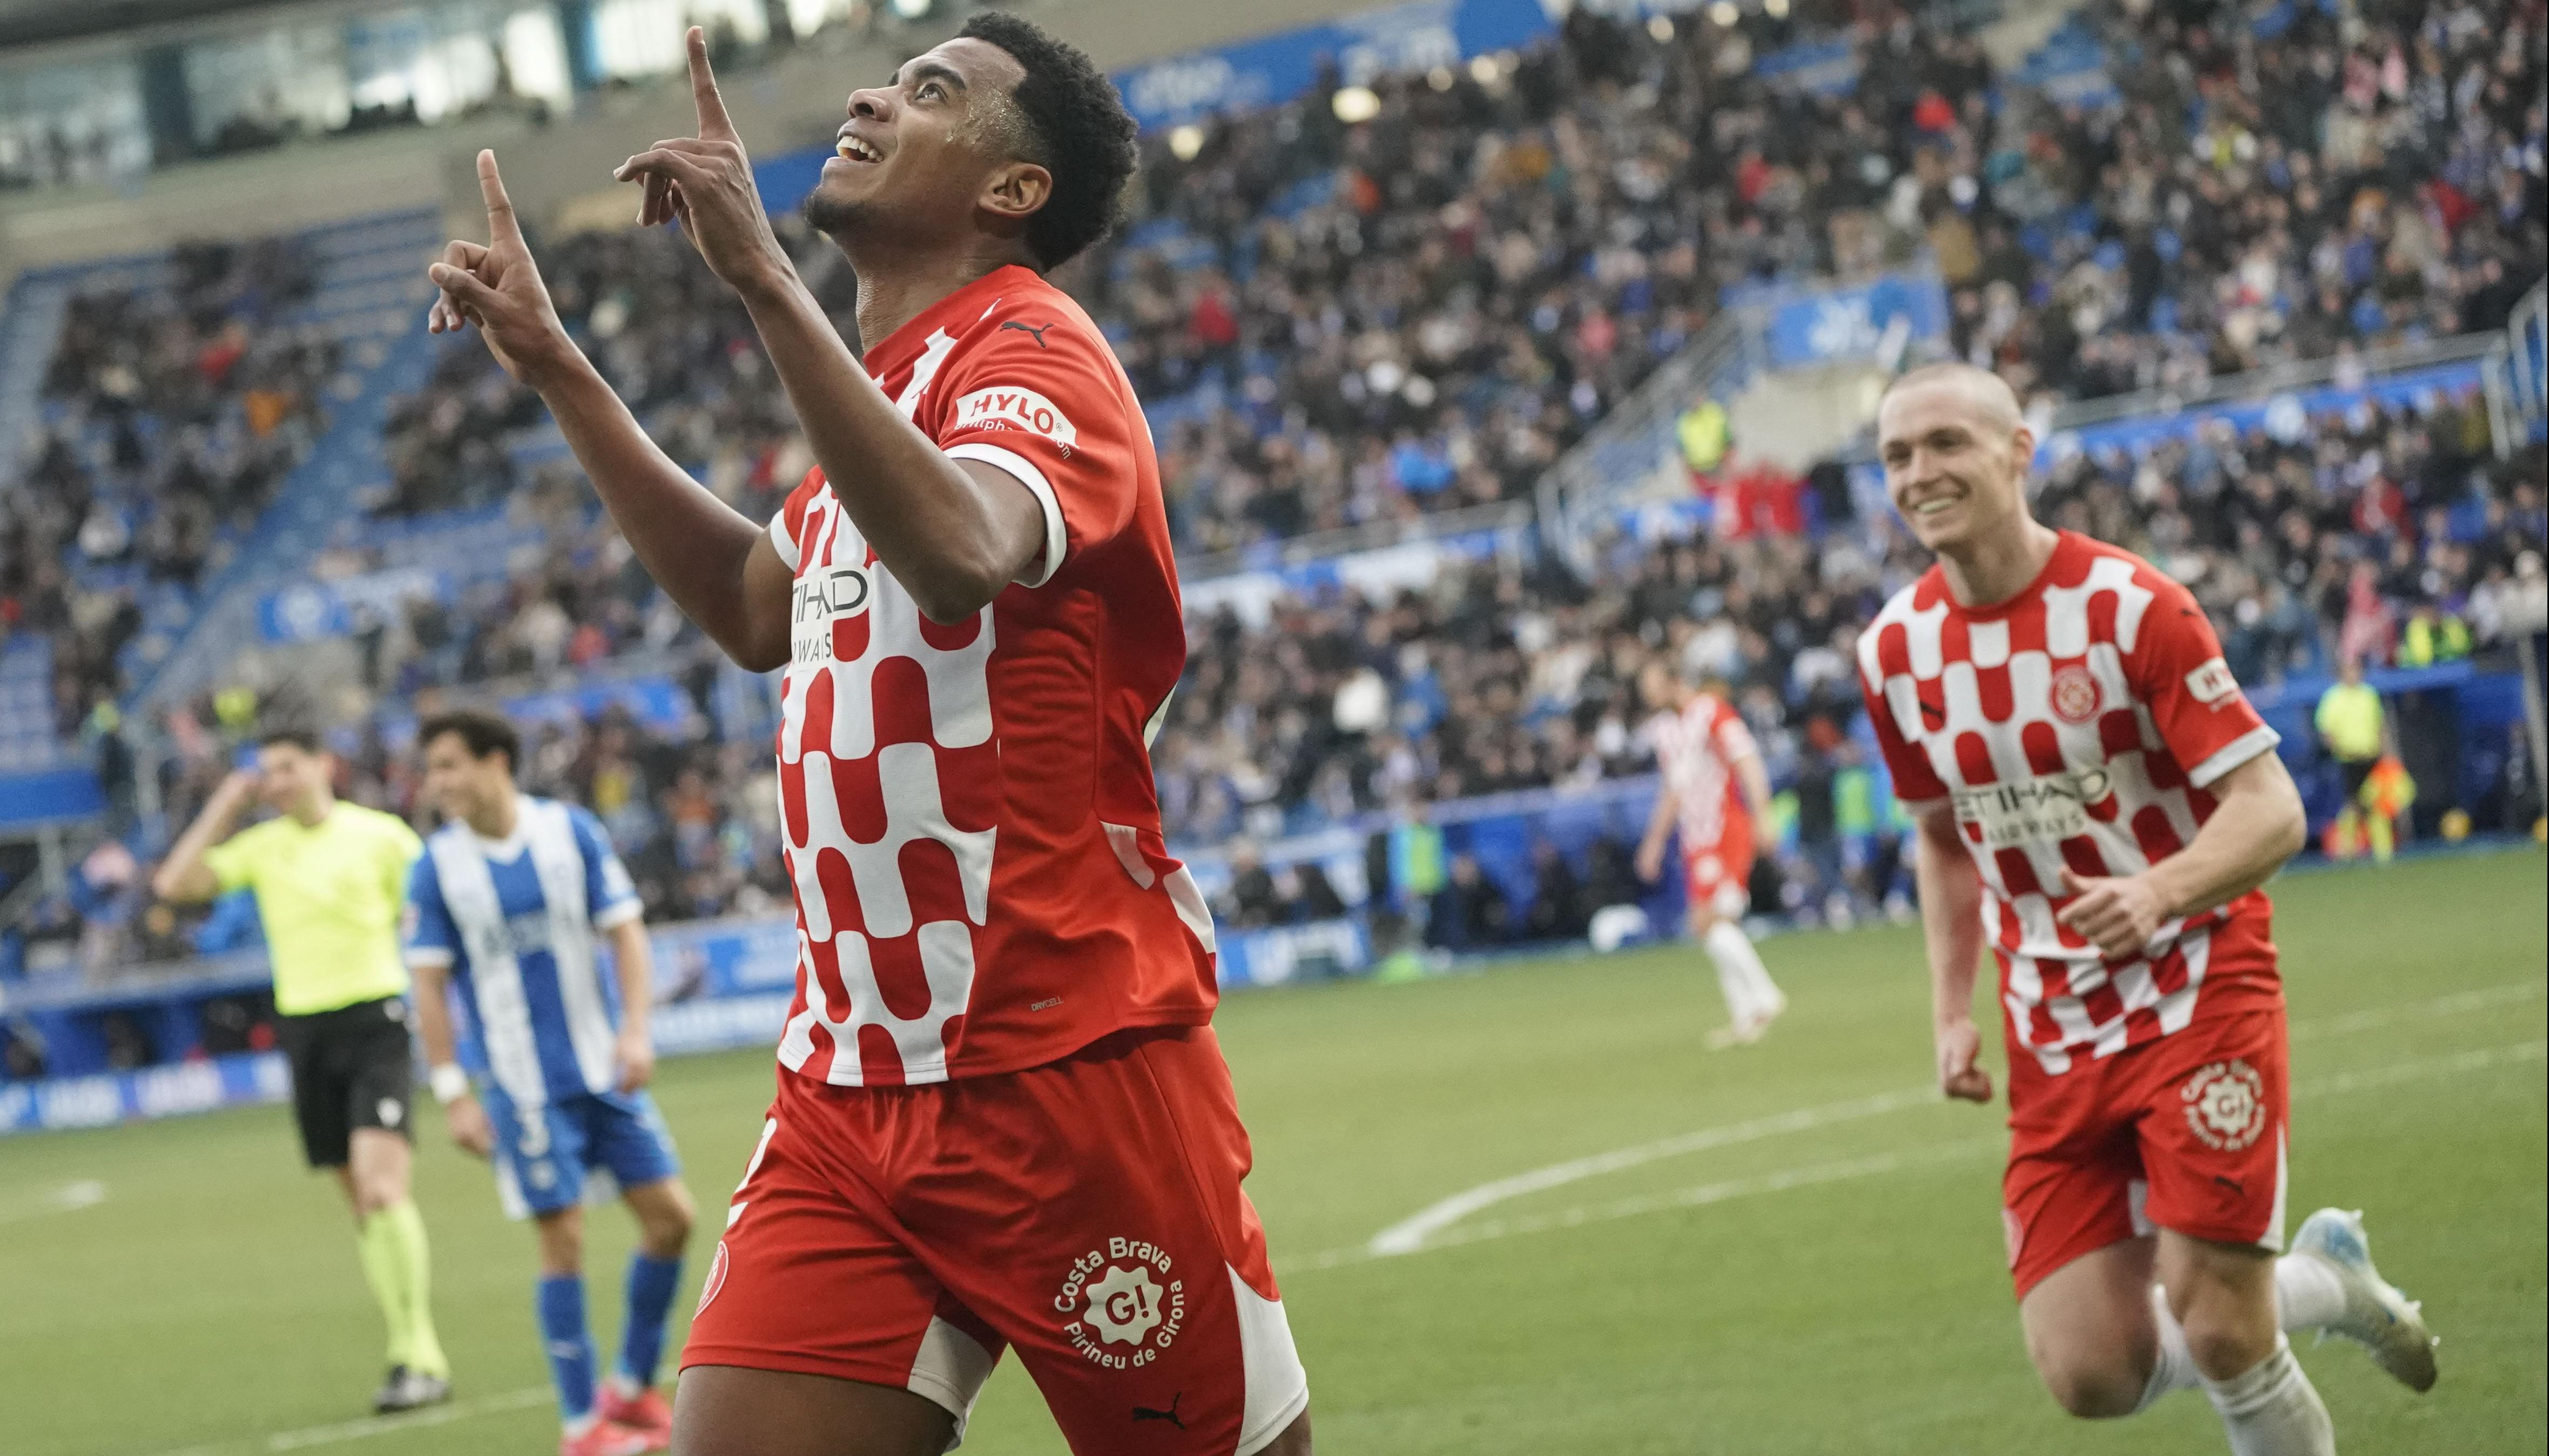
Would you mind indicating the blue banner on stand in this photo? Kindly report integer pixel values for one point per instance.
(314, 611)
(1820, 68)
(1803, 327)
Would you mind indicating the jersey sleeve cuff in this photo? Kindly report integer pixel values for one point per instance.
(783, 541)
(611, 917)
(2240, 749)
(1011, 463)
(429, 957)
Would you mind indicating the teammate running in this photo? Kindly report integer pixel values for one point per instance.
(1002, 1117)
(508, 898)
(2096, 797)
(330, 879)
(1713, 789)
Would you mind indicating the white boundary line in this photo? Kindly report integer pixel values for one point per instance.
(1415, 1231)
(1781, 1179)
(378, 1425)
(69, 1197)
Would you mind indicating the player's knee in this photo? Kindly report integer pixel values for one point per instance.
(561, 1243)
(2094, 1382)
(375, 1193)
(2222, 1347)
(2093, 1392)
(667, 1229)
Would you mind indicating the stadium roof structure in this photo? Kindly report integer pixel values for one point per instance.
(39, 22)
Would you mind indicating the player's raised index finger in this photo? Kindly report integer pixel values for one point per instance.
(500, 208)
(713, 124)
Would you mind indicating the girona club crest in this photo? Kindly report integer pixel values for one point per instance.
(2074, 693)
(2225, 1105)
(1125, 1296)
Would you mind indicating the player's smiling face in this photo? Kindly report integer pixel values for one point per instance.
(1955, 470)
(924, 154)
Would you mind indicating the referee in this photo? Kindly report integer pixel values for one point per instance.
(331, 883)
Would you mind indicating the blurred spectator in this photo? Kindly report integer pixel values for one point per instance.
(1468, 912)
(1559, 911)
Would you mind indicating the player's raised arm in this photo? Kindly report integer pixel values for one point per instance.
(717, 565)
(954, 533)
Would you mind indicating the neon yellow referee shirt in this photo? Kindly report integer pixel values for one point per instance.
(332, 897)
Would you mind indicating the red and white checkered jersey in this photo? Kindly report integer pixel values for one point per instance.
(1697, 750)
(2077, 724)
(971, 823)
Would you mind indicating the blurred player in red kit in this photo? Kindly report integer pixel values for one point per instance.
(1001, 1117)
(1714, 790)
(2098, 803)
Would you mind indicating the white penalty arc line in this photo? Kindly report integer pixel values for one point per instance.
(1421, 1229)
(1410, 1234)
(1846, 1169)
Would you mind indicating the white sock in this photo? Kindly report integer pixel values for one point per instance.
(2272, 1410)
(2173, 1369)
(2308, 1294)
(1739, 970)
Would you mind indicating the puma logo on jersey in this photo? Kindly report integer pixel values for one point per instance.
(1036, 330)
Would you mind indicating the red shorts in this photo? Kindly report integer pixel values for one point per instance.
(1088, 1212)
(1719, 876)
(2185, 1134)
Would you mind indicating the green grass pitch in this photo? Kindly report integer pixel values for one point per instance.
(1828, 1283)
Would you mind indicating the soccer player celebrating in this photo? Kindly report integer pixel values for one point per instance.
(1001, 1116)
(508, 898)
(329, 880)
(2097, 799)
(1714, 787)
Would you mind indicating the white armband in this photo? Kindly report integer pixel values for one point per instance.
(449, 1084)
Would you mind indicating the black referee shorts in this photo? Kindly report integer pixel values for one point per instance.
(2357, 771)
(351, 1067)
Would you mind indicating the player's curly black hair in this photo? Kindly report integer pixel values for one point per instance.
(1076, 128)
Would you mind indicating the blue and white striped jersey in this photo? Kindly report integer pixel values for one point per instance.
(517, 923)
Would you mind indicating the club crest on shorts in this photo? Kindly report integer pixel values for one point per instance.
(2225, 1105)
(1122, 1304)
(2074, 693)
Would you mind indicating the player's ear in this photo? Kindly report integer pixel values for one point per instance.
(1016, 190)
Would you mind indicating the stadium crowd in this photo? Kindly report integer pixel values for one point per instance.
(171, 413)
(1338, 325)
(2380, 534)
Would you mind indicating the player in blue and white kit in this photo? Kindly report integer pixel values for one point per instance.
(510, 905)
